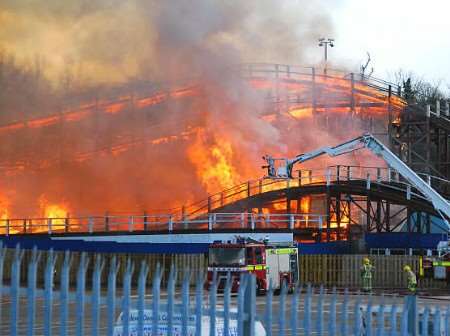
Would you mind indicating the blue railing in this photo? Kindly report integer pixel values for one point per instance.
(94, 305)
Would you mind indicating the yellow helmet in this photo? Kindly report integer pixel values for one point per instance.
(366, 261)
(407, 268)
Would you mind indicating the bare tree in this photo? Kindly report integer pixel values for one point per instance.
(418, 90)
(365, 66)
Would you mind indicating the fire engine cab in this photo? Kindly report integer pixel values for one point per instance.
(269, 262)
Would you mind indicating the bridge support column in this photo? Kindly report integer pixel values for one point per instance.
(378, 220)
(338, 214)
(368, 213)
(328, 224)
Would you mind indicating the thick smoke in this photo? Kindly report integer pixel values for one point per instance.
(76, 47)
(108, 40)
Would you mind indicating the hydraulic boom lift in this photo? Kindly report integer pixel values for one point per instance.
(368, 141)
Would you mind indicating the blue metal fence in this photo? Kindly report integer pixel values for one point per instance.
(94, 305)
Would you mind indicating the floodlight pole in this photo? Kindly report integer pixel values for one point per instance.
(324, 42)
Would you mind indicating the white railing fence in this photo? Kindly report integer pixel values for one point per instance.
(90, 306)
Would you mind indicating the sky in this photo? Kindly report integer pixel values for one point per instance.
(402, 34)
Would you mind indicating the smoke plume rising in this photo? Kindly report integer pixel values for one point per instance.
(71, 53)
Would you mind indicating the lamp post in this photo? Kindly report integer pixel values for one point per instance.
(323, 42)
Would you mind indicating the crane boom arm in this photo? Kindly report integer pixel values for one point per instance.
(379, 149)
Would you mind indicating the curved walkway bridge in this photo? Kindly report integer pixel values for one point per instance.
(342, 202)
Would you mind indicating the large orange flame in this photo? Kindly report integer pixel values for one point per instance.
(212, 158)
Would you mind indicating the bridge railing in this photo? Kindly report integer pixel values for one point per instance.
(165, 223)
(299, 73)
(212, 213)
(304, 177)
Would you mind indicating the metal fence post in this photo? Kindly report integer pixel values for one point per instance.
(344, 314)
(437, 322)
(393, 320)
(198, 304)
(282, 310)
(226, 305)
(332, 318)
(319, 324)
(126, 297)
(156, 285)
(15, 288)
(307, 310)
(425, 316)
(447, 313)
(268, 309)
(48, 292)
(81, 287)
(250, 306)
(369, 317)
(185, 302)
(212, 305)
(96, 293)
(411, 303)
(111, 299)
(294, 308)
(380, 318)
(358, 317)
(49, 223)
(241, 298)
(170, 299)
(142, 280)
(31, 291)
(64, 293)
(404, 323)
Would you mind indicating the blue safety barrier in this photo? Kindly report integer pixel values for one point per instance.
(94, 305)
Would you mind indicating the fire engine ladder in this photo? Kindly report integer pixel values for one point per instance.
(441, 205)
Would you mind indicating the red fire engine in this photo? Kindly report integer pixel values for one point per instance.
(269, 262)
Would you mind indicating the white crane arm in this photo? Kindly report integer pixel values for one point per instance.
(375, 146)
(379, 149)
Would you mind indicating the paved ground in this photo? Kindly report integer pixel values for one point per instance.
(261, 305)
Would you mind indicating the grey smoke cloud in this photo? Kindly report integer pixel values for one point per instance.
(112, 41)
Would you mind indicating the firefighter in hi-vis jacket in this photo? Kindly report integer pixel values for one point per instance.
(412, 280)
(366, 275)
